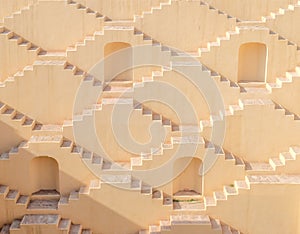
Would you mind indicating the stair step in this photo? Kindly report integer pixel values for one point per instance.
(34, 219)
(4, 189)
(86, 154)
(239, 161)
(273, 179)
(230, 190)
(75, 229)
(74, 195)
(276, 162)
(95, 184)
(48, 194)
(156, 194)
(219, 195)
(23, 200)
(63, 200)
(241, 184)
(136, 183)
(5, 229)
(86, 231)
(64, 224)
(215, 224)
(154, 229)
(146, 189)
(43, 204)
(286, 156)
(257, 166)
(116, 179)
(4, 156)
(188, 139)
(210, 201)
(226, 229)
(96, 159)
(165, 225)
(190, 219)
(12, 195)
(66, 143)
(16, 224)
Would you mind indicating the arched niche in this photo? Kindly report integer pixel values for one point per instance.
(189, 181)
(112, 63)
(252, 62)
(44, 174)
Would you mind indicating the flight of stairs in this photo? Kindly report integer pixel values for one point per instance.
(55, 223)
(40, 139)
(202, 223)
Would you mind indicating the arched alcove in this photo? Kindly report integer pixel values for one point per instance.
(252, 63)
(189, 180)
(118, 63)
(44, 174)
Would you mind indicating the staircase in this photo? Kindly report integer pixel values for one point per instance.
(25, 53)
(83, 22)
(43, 222)
(201, 223)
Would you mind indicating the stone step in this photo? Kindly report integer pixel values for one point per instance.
(5, 229)
(45, 194)
(258, 167)
(23, 200)
(12, 195)
(15, 225)
(54, 220)
(40, 219)
(64, 224)
(273, 179)
(75, 229)
(43, 204)
(4, 190)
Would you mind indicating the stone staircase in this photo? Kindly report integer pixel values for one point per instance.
(39, 201)
(127, 34)
(202, 223)
(44, 200)
(58, 142)
(12, 152)
(285, 81)
(25, 125)
(80, 14)
(13, 196)
(104, 166)
(87, 10)
(288, 83)
(219, 22)
(281, 12)
(43, 222)
(69, 74)
(207, 54)
(285, 163)
(26, 52)
(18, 121)
(153, 9)
(219, 199)
(98, 112)
(248, 103)
(276, 21)
(12, 6)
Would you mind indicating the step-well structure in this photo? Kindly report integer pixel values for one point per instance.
(151, 116)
